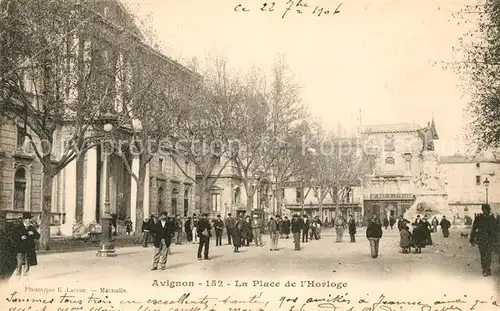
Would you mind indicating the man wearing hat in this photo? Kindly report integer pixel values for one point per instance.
(257, 230)
(25, 237)
(204, 233)
(162, 230)
(230, 224)
(297, 225)
(484, 233)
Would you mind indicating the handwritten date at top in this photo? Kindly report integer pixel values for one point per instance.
(299, 7)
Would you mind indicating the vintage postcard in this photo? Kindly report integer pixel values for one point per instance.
(234, 155)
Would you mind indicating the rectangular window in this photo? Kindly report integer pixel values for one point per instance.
(478, 165)
(298, 196)
(217, 161)
(215, 202)
(174, 167)
(186, 167)
(478, 180)
(20, 137)
(160, 163)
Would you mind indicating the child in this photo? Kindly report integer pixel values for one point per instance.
(405, 242)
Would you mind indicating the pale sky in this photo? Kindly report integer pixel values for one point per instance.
(377, 56)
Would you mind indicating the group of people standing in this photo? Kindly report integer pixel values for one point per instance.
(420, 236)
(18, 247)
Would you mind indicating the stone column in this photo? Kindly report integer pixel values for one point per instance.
(133, 192)
(146, 190)
(89, 187)
(69, 198)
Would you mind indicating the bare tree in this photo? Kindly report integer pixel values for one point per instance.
(53, 84)
(161, 88)
(479, 66)
(206, 135)
(287, 126)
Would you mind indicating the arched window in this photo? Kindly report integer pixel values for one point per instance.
(161, 194)
(389, 160)
(20, 189)
(174, 201)
(237, 195)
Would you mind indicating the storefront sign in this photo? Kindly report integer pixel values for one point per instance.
(379, 196)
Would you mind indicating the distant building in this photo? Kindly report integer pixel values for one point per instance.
(390, 189)
(465, 183)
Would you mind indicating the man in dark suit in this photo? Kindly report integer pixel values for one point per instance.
(8, 251)
(204, 233)
(230, 224)
(219, 227)
(297, 226)
(25, 237)
(162, 231)
(305, 229)
(484, 233)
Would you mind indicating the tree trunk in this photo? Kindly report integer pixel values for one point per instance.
(250, 196)
(47, 179)
(139, 200)
(205, 196)
(320, 206)
(279, 199)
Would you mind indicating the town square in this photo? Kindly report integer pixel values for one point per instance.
(185, 146)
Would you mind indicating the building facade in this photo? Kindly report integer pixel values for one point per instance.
(390, 189)
(79, 189)
(471, 182)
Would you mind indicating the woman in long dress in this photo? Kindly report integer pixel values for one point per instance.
(237, 236)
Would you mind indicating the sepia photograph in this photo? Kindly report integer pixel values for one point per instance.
(249, 155)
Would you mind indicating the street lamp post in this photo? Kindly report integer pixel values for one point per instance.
(107, 248)
(486, 184)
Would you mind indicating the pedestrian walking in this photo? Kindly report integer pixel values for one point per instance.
(339, 228)
(405, 239)
(236, 235)
(386, 223)
(163, 231)
(427, 228)
(485, 234)
(434, 224)
(178, 229)
(296, 225)
(418, 236)
(305, 228)
(246, 231)
(172, 224)
(146, 229)
(189, 229)
(352, 228)
(374, 234)
(8, 248)
(195, 229)
(25, 237)
(392, 221)
(152, 221)
(285, 227)
(257, 230)
(445, 227)
(273, 233)
(204, 233)
(128, 225)
(219, 227)
(230, 223)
